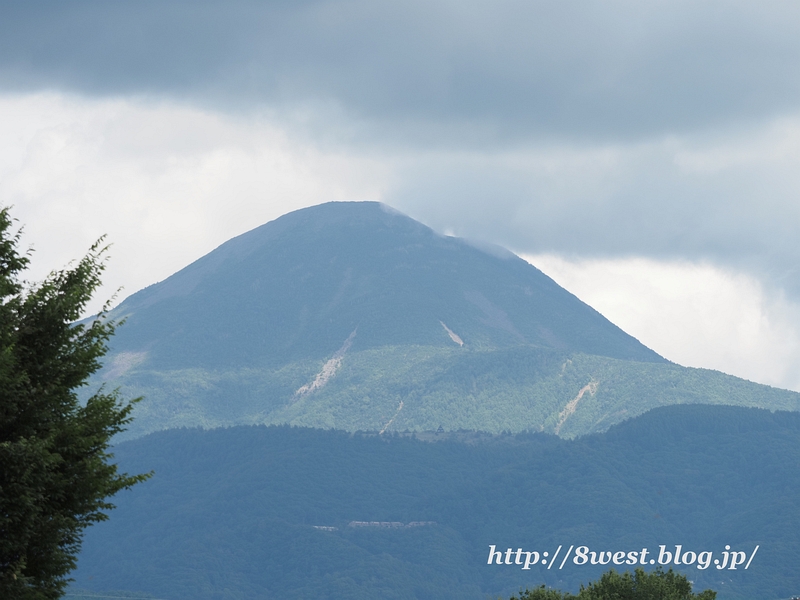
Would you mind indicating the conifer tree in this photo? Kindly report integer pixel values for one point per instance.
(56, 473)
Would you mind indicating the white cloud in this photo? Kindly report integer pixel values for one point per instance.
(169, 182)
(166, 182)
(694, 314)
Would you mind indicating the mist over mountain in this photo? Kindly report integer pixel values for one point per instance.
(354, 316)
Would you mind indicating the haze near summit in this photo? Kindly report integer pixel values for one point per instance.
(645, 156)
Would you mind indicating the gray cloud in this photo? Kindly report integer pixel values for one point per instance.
(583, 128)
(434, 72)
(670, 199)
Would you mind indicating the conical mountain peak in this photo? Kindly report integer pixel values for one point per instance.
(299, 286)
(351, 315)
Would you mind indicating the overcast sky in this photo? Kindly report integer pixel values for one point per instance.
(645, 155)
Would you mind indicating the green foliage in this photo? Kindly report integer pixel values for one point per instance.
(513, 389)
(655, 585)
(55, 473)
(640, 585)
(543, 593)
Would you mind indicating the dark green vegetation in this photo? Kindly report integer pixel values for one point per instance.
(352, 316)
(55, 475)
(231, 513)
(639, 585)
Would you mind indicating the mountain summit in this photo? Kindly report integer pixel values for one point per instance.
(299, 287)
(351, 315)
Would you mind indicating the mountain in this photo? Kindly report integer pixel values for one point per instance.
(354, 316)
(298, 287)
(280, 512)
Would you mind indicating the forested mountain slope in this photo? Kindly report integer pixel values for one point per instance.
(353, 316)
(252, 512)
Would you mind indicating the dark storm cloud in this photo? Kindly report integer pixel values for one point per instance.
(434, 71)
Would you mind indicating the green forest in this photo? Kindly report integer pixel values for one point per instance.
(264, 511)
(514, 389)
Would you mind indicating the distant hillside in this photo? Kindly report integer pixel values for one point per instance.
(353, 316)
(256, 512)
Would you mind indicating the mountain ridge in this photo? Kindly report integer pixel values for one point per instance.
(329, 242)
(354, 316)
